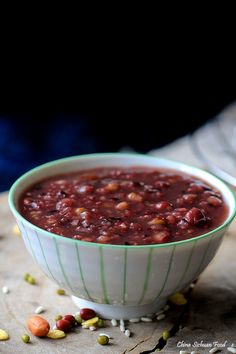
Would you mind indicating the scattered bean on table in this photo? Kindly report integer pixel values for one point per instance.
(87, 314)
(3, 335)
(64, 325)
(25, 338)
(56, 334)
(103, 339)
(38, 326)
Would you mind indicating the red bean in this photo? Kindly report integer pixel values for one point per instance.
(183, 225)
(180, 202)
(195, 216)
(171, 219)
(103, 239)
(86, 314)
(70, 318)
(161, 236)
(203, 204)
(127, 213)
(189, 198)
(195, 188)
(64, 325)
(162, 184)
(86, 215)
(27, 201)
(56, 230)
(85, 189)
(87, 239)
(30, 203)
(135, 226)
(64, 203)
(78, 237)
(102, 190)
(163, 206)
(214, 201)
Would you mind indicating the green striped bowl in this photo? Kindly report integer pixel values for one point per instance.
(118, 281)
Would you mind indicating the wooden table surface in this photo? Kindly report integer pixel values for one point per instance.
(210, 315)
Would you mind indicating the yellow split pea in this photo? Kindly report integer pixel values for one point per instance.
(3, 335)
(56, 334)
(178, 299)
(91, 322)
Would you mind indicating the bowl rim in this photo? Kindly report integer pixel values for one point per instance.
(18, 216)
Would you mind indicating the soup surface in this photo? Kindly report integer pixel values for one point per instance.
(126, 206)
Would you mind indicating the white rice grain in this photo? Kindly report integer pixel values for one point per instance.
(127, 333)
(161, 317)
(146, 319)
(122, 328)
(159, 312)
(5, 290)
(213, 350)
(39, 310)
(114, 322)
(134, 320)
(122, 322)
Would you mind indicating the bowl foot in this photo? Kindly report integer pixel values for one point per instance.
(120, 311)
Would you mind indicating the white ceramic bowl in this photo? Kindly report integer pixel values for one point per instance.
(118, 281)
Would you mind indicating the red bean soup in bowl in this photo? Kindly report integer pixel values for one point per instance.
(124, 206)
(121, 232)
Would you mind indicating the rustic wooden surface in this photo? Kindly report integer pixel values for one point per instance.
(211, 315)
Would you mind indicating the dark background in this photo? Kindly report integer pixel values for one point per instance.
(29, 138)
(94, 90)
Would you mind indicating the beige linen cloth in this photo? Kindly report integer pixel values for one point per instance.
(215, 141)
